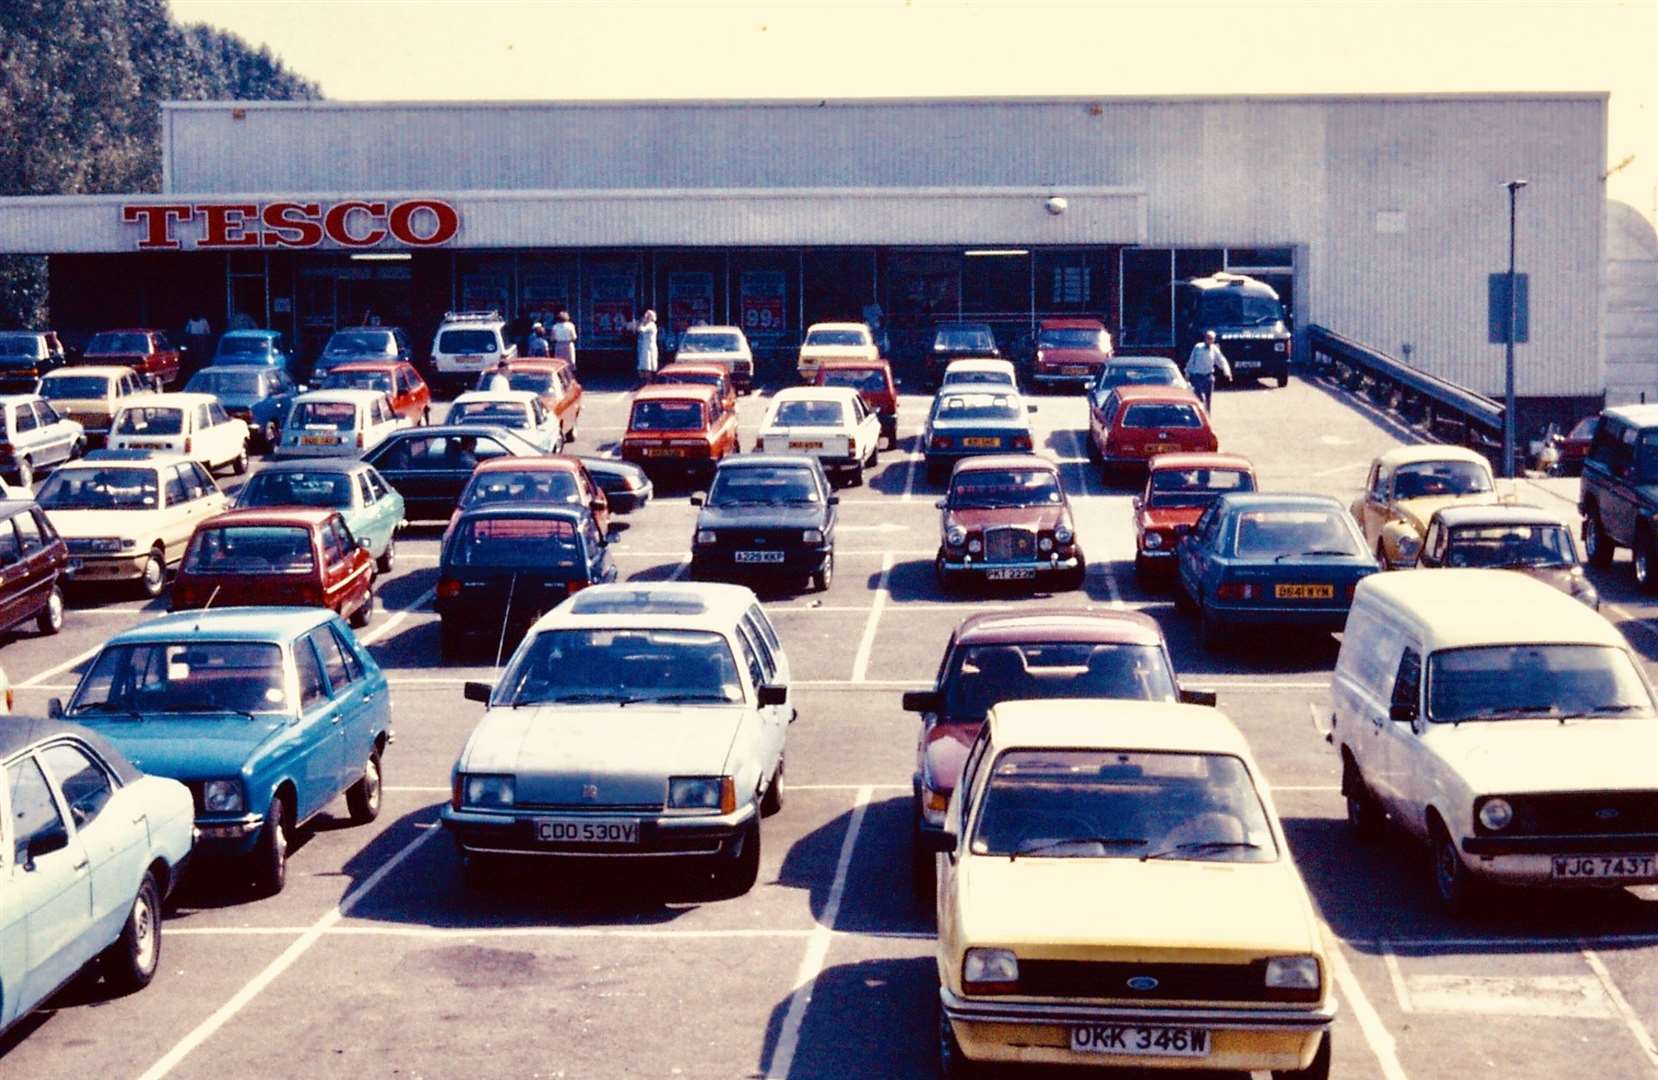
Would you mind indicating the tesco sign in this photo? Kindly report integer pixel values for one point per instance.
(354, 223)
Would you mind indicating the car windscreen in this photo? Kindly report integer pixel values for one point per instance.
(184, 677)
(984, 675)
(1172, 488)
(666, 416)
(544, 486)
(630, 665)
(956, 337)
(710, 343)
(99, 489)
(1162, 415)
(324, 415)
(510, 414)
(978, 377)
(360, 343)
(358, 380)
(749, 485)
(149, 420)
(466, 341)
(528, 543)
(967, 407)
(863, 379)
(1118, 804)
(108, 343)
(235, 383)
(986, 488)
(285, 487)
(1238, 309)
(536, 382)
(1510, 545)
(251, 549)
(1585, 428)
(1504, 682)
(1423, 479)
(243, 346)
(808, 414)
(1070, 338)
(837, 338)
(1286, 534)
(73, 387)
(19, 345)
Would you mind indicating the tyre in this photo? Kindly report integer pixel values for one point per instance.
(270, 853)
(50, 619)
(1094, 456)
(824, 576)
(1455, 886)
(154, 577)
(24, 474)
(1381, 555)
(1646, 561)
(940, 577)
(363, 798)
(1211, 632)
(772, 801)
(1320, 1067)
(736, 875)
(365, 611)
(1597, 544)
(239, 465)
(1182, 599)
(131, 962)
(952, 1063)
(923, 868)
(855, 475)
(1364, 816)
(388, 557)
(1283, 381)
(451, 639)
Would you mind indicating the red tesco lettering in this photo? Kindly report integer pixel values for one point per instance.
(354, 223)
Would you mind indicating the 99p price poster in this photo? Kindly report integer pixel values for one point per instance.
(762, 300)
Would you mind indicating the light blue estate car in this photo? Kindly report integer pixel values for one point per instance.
(634, 720)
(372, 508)
(266, 713)
(89, 849)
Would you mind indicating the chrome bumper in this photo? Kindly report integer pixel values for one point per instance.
(1222, 1018)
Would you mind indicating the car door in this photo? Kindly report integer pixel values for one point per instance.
(1619, 501)
(57, 439)
(353, 705)
(1191, 553)
(14, 578)
(1398, 742)
(52, 890)
(317, 746)
(338, 581)
(771, 721)
(37, 569)
(1373, 513)
(185, 508)
(111, 830)
(369, 522)
(25, 432)
(958, 819)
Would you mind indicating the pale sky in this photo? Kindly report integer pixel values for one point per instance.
(372, 50)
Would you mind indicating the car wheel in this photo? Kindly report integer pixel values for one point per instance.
(1283, 381)
(855, 475)
(1211, 632)
(50, 619)
(451, 640)
(923, 870)
(239, 466)
(824, 576)
(131, 962)
(1646, 561)
(1364, 816)
(736, 875)
(270, 854)
(1320, 1067)
(1596, 543)
(952, 1063)
(24, 474)
(874, 453)
(363, 798)
(1095, 458)
(772, 801)
(78, 448)
(365, 611)
(1077, 578)
(154, 577)
(388, 557)
(1381, 554)
(1452, 880)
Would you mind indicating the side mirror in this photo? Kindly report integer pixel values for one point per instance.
(1402, 713)
(477, 691)
(698, 498)
(1199, 697)
(922, 701)
(54, 708)
(834, 500)
(363, 543)
(599, 503)
(614, 536)
(45, 843)
(942, 842)
(1138, 501)
(771, 694)
(941, 504)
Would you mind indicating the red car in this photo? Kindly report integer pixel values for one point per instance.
(1069, 352)
(301, 557)
(145, 351)
(551, 480)
(410, 397)
(681, 429)
(872, 379)
(1179, 487)
(554, 382)
(1135, 423)
(716, 375)
(1006, 518)
(1040, 653)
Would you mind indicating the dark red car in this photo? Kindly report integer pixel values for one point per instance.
(1041, 653)
(145, 351)
(872, 379)
(33, 559)
(1069, 352)
(1006, 518)
(1179, 487)
(1134, 423)
(270, 556)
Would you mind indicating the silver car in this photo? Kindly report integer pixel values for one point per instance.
(635, 720)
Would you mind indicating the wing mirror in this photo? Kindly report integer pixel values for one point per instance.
(477, 691)
(942, 842)
(45, 843)
(614, 536)
(54, 708)
(834, 500)
(698, 498)
(923, 701)
(363, 543)
(1138, 502)
(1199, 697)
(771, 694)
(1402, 713)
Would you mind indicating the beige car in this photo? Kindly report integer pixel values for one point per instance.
(834, 341)
(1404, 488)
(91, 396)
(128, 515)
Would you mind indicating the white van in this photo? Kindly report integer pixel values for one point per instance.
(466, 343)
(1502, 722)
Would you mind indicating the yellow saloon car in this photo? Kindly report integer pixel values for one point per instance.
(1404, 488)
(1082, 862)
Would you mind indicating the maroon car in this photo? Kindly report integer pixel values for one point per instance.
(1069, 352)
(1045, 653)
(145, 351)
(1006, 518)
(271, 556)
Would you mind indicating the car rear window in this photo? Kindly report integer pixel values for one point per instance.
(107, 343)
(466, 341)
(978, 377)
(978, 407)
(693, 378)
(251, 549)
(281, 487)
(959, 338)
(239, 383)
(358, 380)
(529, 542)
(868, 379)
(243, 346)
(809, 414)
(986, 675)
(150, 420)
(335, 415)
(851, 338)
(503, 413)
(709, 343)
(526, 486)
(360, 342)
(536, 382)
(1159, 415)
(70, 387)
(1273, 534)
(666, 416)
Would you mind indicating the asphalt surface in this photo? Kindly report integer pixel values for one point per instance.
(377, 961)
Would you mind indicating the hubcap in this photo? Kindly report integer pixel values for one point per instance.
(144, 935)
(153, 572)
(54, 609)
(371, 782)
(1641, 564)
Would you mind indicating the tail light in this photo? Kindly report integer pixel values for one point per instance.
(359, 440)
(1021, 442)
(940, 442)
(187, 444)
(448, 588)
(455, 792)
(1352, 590)
(1234, 590)
(571, 588)
(5, 449)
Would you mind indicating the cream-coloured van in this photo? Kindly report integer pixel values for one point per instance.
(1503, 723)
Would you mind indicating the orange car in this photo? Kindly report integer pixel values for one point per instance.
(679, 428)
(1179, 488)
(872, 379)
(552, 480)
(410, 397)
(553, 381)
(705, 374)
(1133, 424)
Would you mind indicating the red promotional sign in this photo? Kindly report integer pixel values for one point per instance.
(354, 223)
(690, 302)
(761, 302)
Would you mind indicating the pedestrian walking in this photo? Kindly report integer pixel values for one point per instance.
(1200, 368)
(645, 348)
(564, 337)
(537, 344)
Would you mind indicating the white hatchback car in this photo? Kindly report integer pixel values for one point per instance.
(834, 341)
(520, 410)
(331, 423)
(194, 425)
(33, 435)
(831, 423)
(726, 345)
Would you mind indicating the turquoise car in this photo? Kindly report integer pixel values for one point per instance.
(265, 347)
(372, 508)
(267, 714)
(89, 849)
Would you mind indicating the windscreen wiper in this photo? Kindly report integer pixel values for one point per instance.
(1103, 841)
(1194, 846)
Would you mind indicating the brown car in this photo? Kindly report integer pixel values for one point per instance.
(145, 351)
(552, 480)
(1006, 518)
(271, 556)
(32, 558)
(1527, 539)
(680, 429)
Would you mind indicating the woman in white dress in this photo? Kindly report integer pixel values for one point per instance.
(564, 338)
(646, 348)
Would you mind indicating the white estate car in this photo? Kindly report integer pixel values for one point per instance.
(638, 719)
(835, 341)
(127, 515)
(468, 342)
(33, 435)
(520, 410)
(1504, 723)
(332, 423)
(194, 425)
(831, 423)
(976, 372)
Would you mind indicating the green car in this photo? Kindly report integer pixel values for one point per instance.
(372, 508)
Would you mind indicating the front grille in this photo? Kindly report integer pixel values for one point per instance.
(1174, 982)
(1003, 545)
(764, 539)
(597, 809)
(1582, 813)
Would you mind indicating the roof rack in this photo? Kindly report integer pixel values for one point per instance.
(472, 316)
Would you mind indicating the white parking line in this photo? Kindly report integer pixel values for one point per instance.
(1375, 1032)
(866, 644)
(68, 665)
(397, 617)
(1631, 1019)
(1395, 975)
(817, 949)
(224, 1013)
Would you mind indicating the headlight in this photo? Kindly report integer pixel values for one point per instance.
(1063, 534)
(975, 546)
(812, 536)
(1409, 544)
(707, 536)
(1045, 545)
(955, 536)
(1153, 541)
(222, 797)
(488, 790)
(715, 794)
(1496, 814)
(1278, 346)
(989, 970)
(1293, 972)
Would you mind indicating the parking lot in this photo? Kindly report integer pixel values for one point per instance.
(378, 961)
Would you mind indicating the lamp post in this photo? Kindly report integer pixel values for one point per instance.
(1514, 187)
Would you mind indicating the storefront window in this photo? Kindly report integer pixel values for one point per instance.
(1148, 310)
(765, 297)
(993, 285)
(1198, 262)
(545, 288)
(612, 302)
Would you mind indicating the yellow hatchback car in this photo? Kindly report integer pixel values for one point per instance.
(1114, 889)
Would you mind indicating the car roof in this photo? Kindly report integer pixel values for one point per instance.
(108, 371)
(1454, 608)
(18, 733)
(855, 363)
(978, 363)
(544, 463)
(1095, 724)
(1496, 514)
(176, 399)
(1097, 625)
(1277, 500)
(681, 606)
(705, 329)
(317, 464)
(1200, 461)
(1070, 324)
(987, 462)
(157, 458)
(701, 392)
(1141, 361)
(130, 330)
(1636, 415)
(231, 623)
(306, 516)
(838, 326)
(541, 510)
(370, 329)
(962, 326)
(341, 396)
(507, 436)
(813, 393)
(1147, 392)
(536, 363)
(1240, 282)
(772, 461)
(388, 364)
(1410, 455)
(695, 367)
(251, 333)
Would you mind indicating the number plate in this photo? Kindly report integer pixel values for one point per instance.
(319, 440)
(1140, 1041)
(1605, 867)
(1304, 592)
(980, 441)
(469, 359)
(1161, 447)
(1242, 364)
(661, 451)
(1014, 573)
(758, 556)
(141, 445)
(805, 444)
(587, 830)
(1074, 369)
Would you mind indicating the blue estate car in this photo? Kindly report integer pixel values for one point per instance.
(372, 508)
(1260, 558)
(266, 713)
(267, 348)
(258, 396)
(86, 886)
